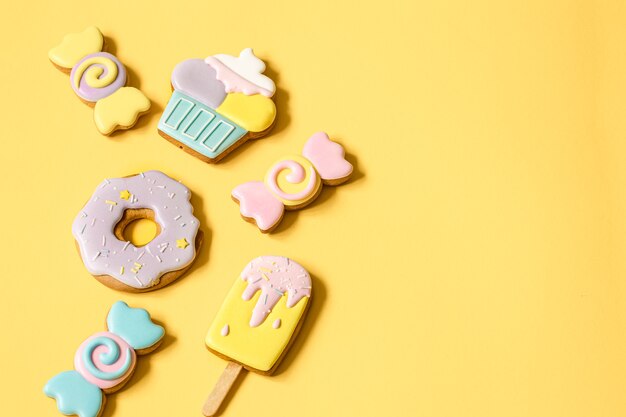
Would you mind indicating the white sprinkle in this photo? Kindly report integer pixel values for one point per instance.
(177, 260)
(140, 255)
(142, 176)
(93, 221)
(171, 195)
(158, 258)
(96, 257)
(111, 208)
(84, 214)
(165, 207)
(125, 245)
(83, 229)
(178, 217)
(161, 186)
(183, 225)
(104, 240)
(137, 279)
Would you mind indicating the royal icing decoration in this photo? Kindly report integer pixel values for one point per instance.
(218, 103)
(261, 313)
(99, 79)
(105, 361)
(293, 182)
(138, 267)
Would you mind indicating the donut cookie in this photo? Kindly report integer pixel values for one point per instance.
(98, 79)
(258, 320)
(217, 104)
(99, 226)
(105, 361)
(293, 182)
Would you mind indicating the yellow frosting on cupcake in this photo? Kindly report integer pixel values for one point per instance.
(254, 113)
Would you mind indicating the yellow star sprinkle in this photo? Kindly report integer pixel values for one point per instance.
(125, 195)
(182, 243)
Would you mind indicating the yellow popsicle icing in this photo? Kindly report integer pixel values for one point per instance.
(261, 313)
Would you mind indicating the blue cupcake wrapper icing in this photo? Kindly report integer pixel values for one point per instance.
(198, 126)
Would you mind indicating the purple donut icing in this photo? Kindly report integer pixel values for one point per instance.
(91, 93)
(199, 80)
(138, 267)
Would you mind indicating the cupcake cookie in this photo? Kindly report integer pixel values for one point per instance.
(217, 104)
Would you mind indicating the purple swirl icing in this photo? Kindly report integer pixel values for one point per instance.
(198, 79)
(91, 93)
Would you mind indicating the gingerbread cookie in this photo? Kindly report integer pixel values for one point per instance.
(98, 79)
(217, 104)
(105, 361)
(293, 182)
(258, 320)
(99, 226)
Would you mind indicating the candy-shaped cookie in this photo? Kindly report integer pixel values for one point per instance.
(99, 232)
(293, 182)
(98, 79)
(258, 320)
(105, 361)
(217, 104)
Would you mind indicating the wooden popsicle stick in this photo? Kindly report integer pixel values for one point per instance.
(224, 384)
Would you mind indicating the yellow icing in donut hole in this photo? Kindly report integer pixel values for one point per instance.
(140, 232)
(93, 73)
(277, 178)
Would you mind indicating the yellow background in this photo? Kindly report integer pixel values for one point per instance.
(474, 266)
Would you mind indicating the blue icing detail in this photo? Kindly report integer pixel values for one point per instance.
(198, 126)
(111, 355)
(134, 326)
(74, 395)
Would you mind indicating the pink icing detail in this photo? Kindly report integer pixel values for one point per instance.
(274, 276)
(125, 350)
(327, 156)
(296, 176)
(258, 203)
(234, 82)
(276, 324)
(225, 330)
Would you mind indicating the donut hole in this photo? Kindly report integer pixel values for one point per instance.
(137, 226)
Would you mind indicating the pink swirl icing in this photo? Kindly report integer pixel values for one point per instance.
(274, 276)
(296, 176)
(124, 364)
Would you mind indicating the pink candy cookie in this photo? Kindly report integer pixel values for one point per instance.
(293, 182)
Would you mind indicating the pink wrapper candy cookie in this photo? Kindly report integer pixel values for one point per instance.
(293, 182)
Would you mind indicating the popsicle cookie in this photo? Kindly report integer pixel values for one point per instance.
(99, 80)
(99, 232)
(258, 321)
(105, 361)
(218, 104)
